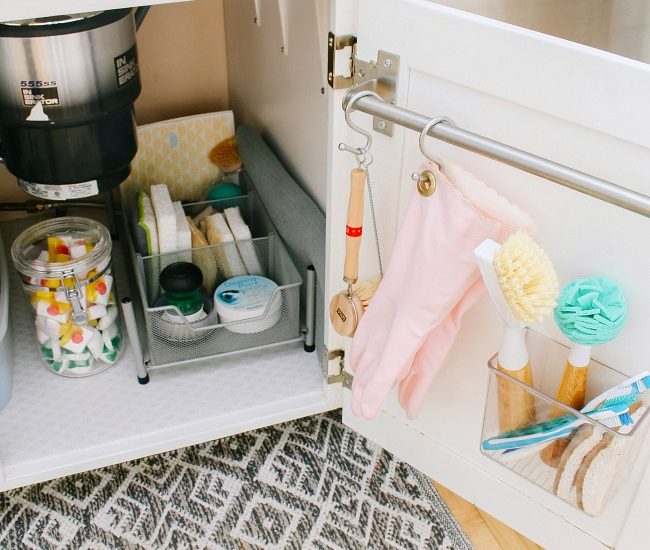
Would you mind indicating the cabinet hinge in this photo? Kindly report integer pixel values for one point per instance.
(345, 70)
(339, 375)
(340, 68)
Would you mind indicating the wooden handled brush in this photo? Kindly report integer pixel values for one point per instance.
(523, 285)
(346, 308)
(354, 226)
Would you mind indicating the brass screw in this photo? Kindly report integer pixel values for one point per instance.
(426, 183)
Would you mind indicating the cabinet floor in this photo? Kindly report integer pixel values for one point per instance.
(55, 426)
(485, 531)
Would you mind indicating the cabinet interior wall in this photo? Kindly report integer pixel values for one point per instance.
(182, 57)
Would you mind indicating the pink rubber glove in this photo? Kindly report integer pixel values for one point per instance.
(429, 359)
(432, 267)
(431, 270)
(433, 353)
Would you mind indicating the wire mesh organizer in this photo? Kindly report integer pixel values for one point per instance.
(171, 340)
(593, 453)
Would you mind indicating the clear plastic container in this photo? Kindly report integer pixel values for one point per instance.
(587, 465)
(65, 268)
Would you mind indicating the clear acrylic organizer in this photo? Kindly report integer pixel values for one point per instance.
(169, 344)
(585, 467)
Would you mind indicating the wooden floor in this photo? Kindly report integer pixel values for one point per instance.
(485, 531)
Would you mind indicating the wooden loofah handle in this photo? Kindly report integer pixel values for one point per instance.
(551, 455)
(516, 404)
(573, 386)
(354, 226)
(571, 392)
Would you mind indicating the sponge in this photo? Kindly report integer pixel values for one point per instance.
(183, 232)
(146, 241)
(165, 217)
(147, 222)
(591, 311)
(202, 257)
(243, 237)
(206, 212)
(228, 259)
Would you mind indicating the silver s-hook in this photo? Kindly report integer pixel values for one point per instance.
(426, 180)
(361, 154)
(425, 131)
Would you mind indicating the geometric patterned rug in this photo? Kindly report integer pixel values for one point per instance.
(311, 483)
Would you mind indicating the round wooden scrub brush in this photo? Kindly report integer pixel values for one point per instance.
(346, 308)
(522, 283)
(225, 155)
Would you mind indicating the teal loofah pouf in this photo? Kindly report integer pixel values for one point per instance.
(591, 311)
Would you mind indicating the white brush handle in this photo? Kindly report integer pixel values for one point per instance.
(513, 353)
(516, 404)
(484, 254)
(580, 355)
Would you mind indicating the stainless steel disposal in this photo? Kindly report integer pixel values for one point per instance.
(67, 87)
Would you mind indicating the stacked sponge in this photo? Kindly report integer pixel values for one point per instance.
(169, 230)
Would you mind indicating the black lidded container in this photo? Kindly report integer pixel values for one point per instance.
(67, 88)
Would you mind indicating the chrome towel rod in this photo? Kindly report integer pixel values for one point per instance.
(568, 177)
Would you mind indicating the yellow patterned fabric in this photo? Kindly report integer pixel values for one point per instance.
(175, 152)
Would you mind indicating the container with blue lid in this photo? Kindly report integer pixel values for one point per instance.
(248, 297)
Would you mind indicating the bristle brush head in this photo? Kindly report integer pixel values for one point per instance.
(365, 290)
(225, 155)
(591, 311)
(526, 277)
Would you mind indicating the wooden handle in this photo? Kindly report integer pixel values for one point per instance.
(354, 226)
(572, 389)
(551, 455)
(571, 392)
(516, 404)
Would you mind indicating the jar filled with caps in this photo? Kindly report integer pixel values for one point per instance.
(65, 268)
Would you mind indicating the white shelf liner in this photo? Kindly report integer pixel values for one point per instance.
(54, 425)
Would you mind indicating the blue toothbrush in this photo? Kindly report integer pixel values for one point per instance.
(617, 407)
(610, 408)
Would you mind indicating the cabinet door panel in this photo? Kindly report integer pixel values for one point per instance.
(572, 104)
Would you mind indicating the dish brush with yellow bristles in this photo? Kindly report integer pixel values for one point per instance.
(523, 285)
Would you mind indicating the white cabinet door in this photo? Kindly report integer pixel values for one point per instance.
(569, 103)
(12, 10)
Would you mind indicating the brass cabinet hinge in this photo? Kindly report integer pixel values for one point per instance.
(339, 376)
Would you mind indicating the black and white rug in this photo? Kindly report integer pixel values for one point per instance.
(311, 483)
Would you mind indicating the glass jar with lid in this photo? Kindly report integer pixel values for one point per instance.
(65, 268)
